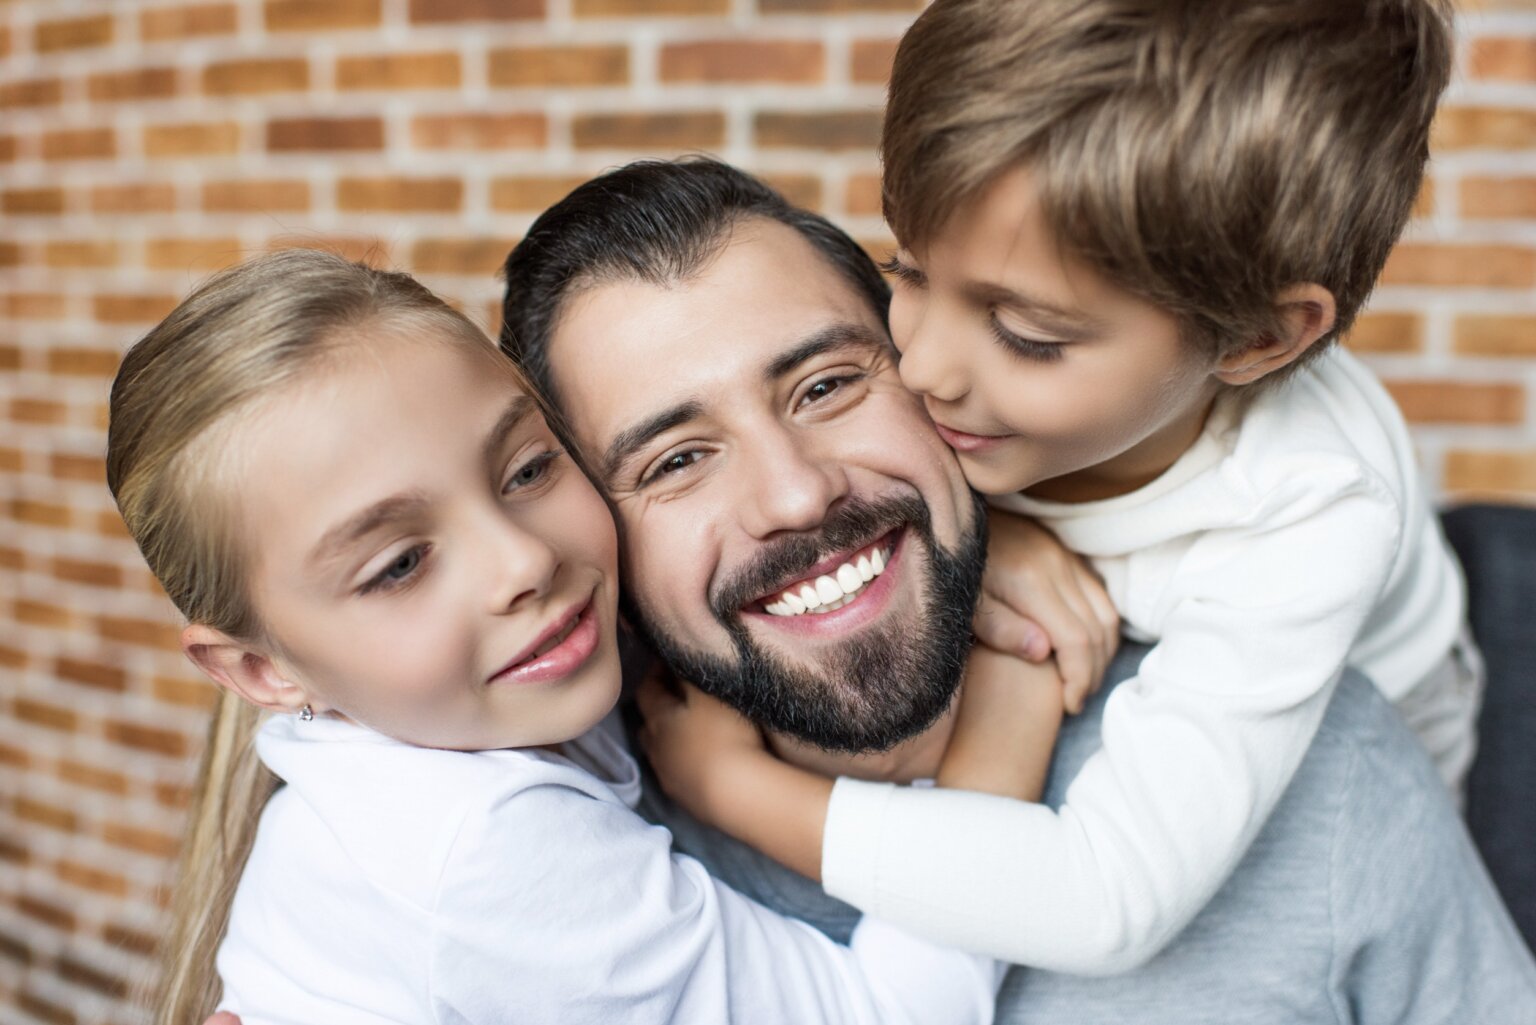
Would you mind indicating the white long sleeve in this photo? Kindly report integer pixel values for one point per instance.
(1261, 567)
(401, 884)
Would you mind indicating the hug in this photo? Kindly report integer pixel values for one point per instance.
(1053, 627)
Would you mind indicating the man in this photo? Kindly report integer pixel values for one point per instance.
(721, 361)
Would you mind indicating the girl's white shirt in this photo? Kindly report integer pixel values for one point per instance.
(391, 883)
(1291, 540)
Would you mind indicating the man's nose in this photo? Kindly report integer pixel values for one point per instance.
(519, 566)
(931, 363)
(789, 483)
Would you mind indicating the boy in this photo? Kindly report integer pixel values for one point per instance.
(1129, 231)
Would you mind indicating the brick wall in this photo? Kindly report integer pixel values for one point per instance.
(144, 144)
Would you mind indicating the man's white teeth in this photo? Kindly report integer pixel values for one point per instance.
(832, 591)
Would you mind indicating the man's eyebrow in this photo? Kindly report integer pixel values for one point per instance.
(518, 410)
(828, 339)
(1052, 316)
(633, 439)
(340, 537)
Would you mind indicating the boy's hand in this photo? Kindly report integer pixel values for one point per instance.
(694, 742)
(1037, 598)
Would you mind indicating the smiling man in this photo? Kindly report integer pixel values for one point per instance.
(798, 541)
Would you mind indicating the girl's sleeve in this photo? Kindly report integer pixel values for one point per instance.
(1196, 752)
(556, 906)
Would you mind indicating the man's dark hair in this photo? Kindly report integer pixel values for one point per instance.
(652, 221)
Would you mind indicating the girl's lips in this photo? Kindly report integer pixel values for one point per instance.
(563, 659)
(962, 442)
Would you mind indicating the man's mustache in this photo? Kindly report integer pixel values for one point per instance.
(855, 523)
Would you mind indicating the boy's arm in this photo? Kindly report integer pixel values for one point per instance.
(1010, 713)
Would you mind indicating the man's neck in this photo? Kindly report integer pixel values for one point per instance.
(917, 758)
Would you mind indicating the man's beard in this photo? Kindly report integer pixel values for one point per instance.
(886, 684)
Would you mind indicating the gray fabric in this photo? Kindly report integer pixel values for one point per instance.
(1362, 900)
(1497, 547)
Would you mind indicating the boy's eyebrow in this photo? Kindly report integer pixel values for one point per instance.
(829, 339)
(339, 538)
(986, 293)
(633, 439)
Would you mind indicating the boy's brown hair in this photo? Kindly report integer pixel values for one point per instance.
(1202, 154)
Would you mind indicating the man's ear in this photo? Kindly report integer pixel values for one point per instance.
(238, 667)
(1306, 314)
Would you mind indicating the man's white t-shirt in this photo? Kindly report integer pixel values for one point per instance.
(392, 883)
(1291, 540)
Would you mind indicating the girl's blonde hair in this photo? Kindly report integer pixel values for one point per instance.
(245, 332)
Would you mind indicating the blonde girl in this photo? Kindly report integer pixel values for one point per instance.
(407, 591)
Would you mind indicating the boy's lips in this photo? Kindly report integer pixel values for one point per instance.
(963, 441)
(559, 650)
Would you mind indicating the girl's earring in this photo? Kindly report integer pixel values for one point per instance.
(306, 714)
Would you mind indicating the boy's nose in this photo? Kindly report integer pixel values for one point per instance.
(930, 364)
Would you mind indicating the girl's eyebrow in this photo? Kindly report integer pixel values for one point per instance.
(339, 538)
(518, 410)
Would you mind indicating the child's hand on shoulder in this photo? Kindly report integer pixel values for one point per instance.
(1038, 600)
(696, 744)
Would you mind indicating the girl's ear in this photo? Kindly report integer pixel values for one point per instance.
(1307, 314)
(239, 668)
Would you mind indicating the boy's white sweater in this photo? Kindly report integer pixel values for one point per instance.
(392, 883)
(1291, 540)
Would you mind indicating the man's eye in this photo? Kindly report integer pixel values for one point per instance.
(825, 388)
(675, 463)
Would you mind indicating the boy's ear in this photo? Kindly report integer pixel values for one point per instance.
(238, 667)
(1306, 314)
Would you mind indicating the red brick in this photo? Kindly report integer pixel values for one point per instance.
(171, 795)
(133, 309)
(1493, 474)
(248, 196)
(1461, 266)
(441, 11)
(1494, 335)
(1459, 402)
(32, 201)
(870, 60)
(5, 40)
(37, 613)
(49, 914)
(836, 6)
(649, 8)
(682, 130)
(550, 66)
(71, 467)
(145, 632)
(475, 257)
(73, 34)
(71, 969)
(91, 674)
(147, 738)
(139, 198)
(1387, 332)
(41, 514)
(309, 16)
(163, 23)
(110, 524)
(135, 84)
(189, 693)
(79, 144)
(1497, 128)
(1504, 58)
(108, 781)
(862, 196)
(31, 92)
(75, 362)
(399, 71)
(480, 131)
(77, 254)
(303, 134)
(788, 61)
(44, 1009)
(200, 255)
(831, 130)
(15, 757)
(38, 411)
(8, 147)
(192, 139)
(531, 192)
(400, 195)
(133, 940)
(1498, 198)
(10, 254)
(803, 190)
(256, 75)
(41, 713)
(34, 306)
(146, 841)
(44, 814)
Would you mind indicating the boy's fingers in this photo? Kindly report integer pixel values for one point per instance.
(1001, 628)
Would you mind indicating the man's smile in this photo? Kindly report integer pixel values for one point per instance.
(832, 584)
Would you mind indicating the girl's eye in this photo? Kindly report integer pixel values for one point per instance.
(398, 572)
(1032, 349)
(531, 472)
(675, 463)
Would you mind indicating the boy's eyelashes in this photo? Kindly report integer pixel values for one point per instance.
(1032, 349)
(903, 272)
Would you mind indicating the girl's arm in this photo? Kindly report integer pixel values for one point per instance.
(557, 906)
